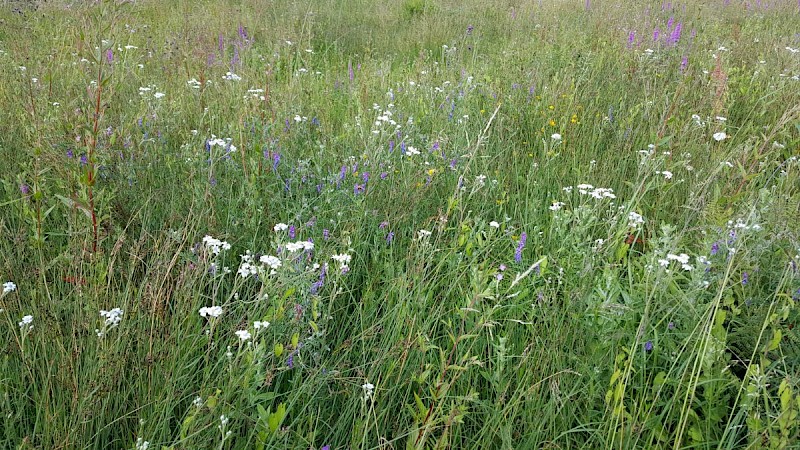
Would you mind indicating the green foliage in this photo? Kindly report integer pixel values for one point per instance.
(415, 143)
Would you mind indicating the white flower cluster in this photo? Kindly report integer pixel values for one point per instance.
(588, 189)
(556, 206)
(215, 245)
(343, 260)
(635, 219)
(683, 259)
(9, 286)
(741, 225)
(26, 323)
(211, 311)
(112, 317)
(230, 76)
(224, 143)
(299, 245)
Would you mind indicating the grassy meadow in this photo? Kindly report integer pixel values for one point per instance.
(421, 224)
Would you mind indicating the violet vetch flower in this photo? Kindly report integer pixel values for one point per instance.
(390, 238)
(521, 245)
(745, 278)
(714, 248)
(292, 232)
(391, 146)
(84, 160)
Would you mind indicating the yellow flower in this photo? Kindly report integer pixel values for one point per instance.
(551, 107)
(552, 123)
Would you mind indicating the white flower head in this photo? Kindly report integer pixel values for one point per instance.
(211, 311)
(9, 286)
(556, 137)
(112, 317)
(343, 259)
(556, 206)
(280, 227)
(719, 136)
(26, 322)
(243, 335)
(368, 388)
(494, 224)
(272, 261)
(259, 325)
(422, 234)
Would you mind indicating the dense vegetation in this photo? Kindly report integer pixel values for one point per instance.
(414, 224)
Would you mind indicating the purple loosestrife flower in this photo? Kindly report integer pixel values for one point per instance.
(520, 246)
(656, 33)
(631, 38)
(676, 34)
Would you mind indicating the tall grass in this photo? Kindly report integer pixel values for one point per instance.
(491, 298)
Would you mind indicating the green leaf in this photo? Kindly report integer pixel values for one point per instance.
(278, 349)
(274, 420)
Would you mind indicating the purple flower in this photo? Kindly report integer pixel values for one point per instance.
(648, 346)
(365, 177)
(391, 146)
(671, 326)
(290, 361)
(656, 33)
(684, 63)
(521, 245)
(384, 175)
(350, 70)
(342, 172)
(292, 232)
(24, 189)
(325, 234)
(276, 159)
(110, 55)
(326, 447)
(358, 189)
(745, 278)
(631, 38)
(70, 153)
(469, 29)
(453, 163)
(714, 248)
(390, 237)
(383, 225)
(84, 160)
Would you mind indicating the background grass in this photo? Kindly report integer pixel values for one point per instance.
(576, 336)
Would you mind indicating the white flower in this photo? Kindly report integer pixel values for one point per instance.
(211, 311)
(9, 286)
(230, 76)
(299, 245)
(494, 224)
(272, 261)
(258, 325)
(720, 136)
(243, 335)
(343, 259)
(112, 317)
(198, 402)
(667, 174)
(411, 151)
(368, 389)
(422, 234)
(635, 219)
(556, 206)
(556, 137)
(683, 258)
(159, 95)
(280, 227)
(141, 444)
(215, 245)
(26, 322)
